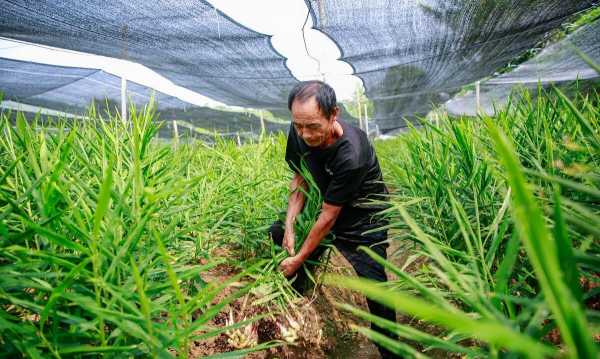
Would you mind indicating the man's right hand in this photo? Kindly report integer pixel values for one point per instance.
(289, 241)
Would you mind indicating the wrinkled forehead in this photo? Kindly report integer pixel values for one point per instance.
(307, 110)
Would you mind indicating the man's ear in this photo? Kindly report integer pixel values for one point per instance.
(335, 114)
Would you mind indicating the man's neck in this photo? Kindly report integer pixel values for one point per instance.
(336, 132)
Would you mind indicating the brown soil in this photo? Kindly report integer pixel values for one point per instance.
(325, 330)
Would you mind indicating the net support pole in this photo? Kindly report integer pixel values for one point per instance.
(477, 97)
(239, 140)
(125, 55)
(366, 120)
(175, 134)
(262, 123)
(360, 124)
(123, 99)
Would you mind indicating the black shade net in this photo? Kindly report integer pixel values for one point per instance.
(71, 89)
(21, 80)
(412, 55)
(559, 64)
(189, 42)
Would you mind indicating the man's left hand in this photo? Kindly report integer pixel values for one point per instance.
(290, 265)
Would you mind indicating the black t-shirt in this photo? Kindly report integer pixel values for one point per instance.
(348, 175)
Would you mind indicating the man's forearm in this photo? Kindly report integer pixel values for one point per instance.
(320, 229)
(295, 204)
(295, 200)
(323, 225)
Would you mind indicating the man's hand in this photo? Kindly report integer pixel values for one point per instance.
(289, 241)
(290, 265)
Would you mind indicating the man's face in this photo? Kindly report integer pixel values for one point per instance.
(310, 124)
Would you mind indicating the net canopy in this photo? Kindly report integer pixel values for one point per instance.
(410, 55)
(558, 64)
(189, 42)
(70, 88)
(415, 54)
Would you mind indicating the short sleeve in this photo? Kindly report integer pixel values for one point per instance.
(292, 156)
(345, 184)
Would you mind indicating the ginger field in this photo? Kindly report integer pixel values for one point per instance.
(114, 244)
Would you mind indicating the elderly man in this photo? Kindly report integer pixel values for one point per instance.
(344, 165)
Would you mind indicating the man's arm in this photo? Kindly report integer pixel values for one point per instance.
(295, 205)
(322, 226)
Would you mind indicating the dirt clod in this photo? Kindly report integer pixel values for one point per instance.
(267, 331)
